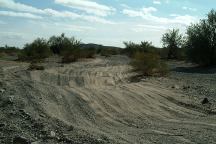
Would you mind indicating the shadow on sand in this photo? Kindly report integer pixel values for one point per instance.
(195, 69)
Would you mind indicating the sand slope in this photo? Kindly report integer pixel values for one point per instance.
(96, 99)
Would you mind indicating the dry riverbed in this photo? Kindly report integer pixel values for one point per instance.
(95, 101)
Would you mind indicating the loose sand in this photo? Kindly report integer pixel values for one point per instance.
(94, 101)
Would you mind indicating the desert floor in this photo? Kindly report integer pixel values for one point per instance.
(103, 101)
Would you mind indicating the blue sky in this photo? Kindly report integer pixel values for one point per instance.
(107, 22)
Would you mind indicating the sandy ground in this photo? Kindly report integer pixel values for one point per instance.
(95, 101)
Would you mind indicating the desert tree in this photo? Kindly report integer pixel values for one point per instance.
(62, 44)
(172, 40)
(131, 48)
(201, 41)
(147, 47)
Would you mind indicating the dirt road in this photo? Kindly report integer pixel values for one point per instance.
(93, 101)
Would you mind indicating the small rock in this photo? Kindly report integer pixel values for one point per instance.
(2, 90)
(99, 140)
(20, 140)
(42, 115)
(52, 134)
(205, 101)
(25, 114)
(175, 87)
(10, 99)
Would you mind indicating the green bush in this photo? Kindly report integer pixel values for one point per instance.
(35, 51)
(107, 52)
(201, 41)
(62, 45)
(149, 64)
(173, 41)
(69, 48)
(9, 51)
(87, 53)
(75, 54)
(132, 48)
(69, 58)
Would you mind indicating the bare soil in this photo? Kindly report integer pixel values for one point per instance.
(95, 101)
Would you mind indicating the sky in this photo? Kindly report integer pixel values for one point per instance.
(107, 22)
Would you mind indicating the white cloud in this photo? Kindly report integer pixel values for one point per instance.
(156, 2)
(11, 4)
(62, 14)
(146, 14)
(174, 15)
(184, 20)
(143, 27)
(72, 15)
(96, 19)
(62, 26)
(139, 13)
(87, 6)
(125, 5)
(74, 27)
(19, 14)
(188, 8)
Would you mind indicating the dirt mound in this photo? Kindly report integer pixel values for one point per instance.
(94, 102)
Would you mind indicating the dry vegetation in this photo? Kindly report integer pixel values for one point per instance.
(149, 64)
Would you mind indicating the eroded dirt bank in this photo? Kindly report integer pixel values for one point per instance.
(94, 101)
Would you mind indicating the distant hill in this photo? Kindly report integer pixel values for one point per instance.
(97, 46)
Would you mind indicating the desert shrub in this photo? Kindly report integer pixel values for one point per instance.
(11, 51)
(69, 48)
(71, 55)
(163, 52)
(201, 41)
(56, 43)
(181, 53)
(147, 47)
(34, 66)
(35, 51)
(132, 48)
(69, 58)
(2, 54)
(107, 52)
(62, 45)
(173, 41)
(75, 54)
(149, 64)
(87, 53)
